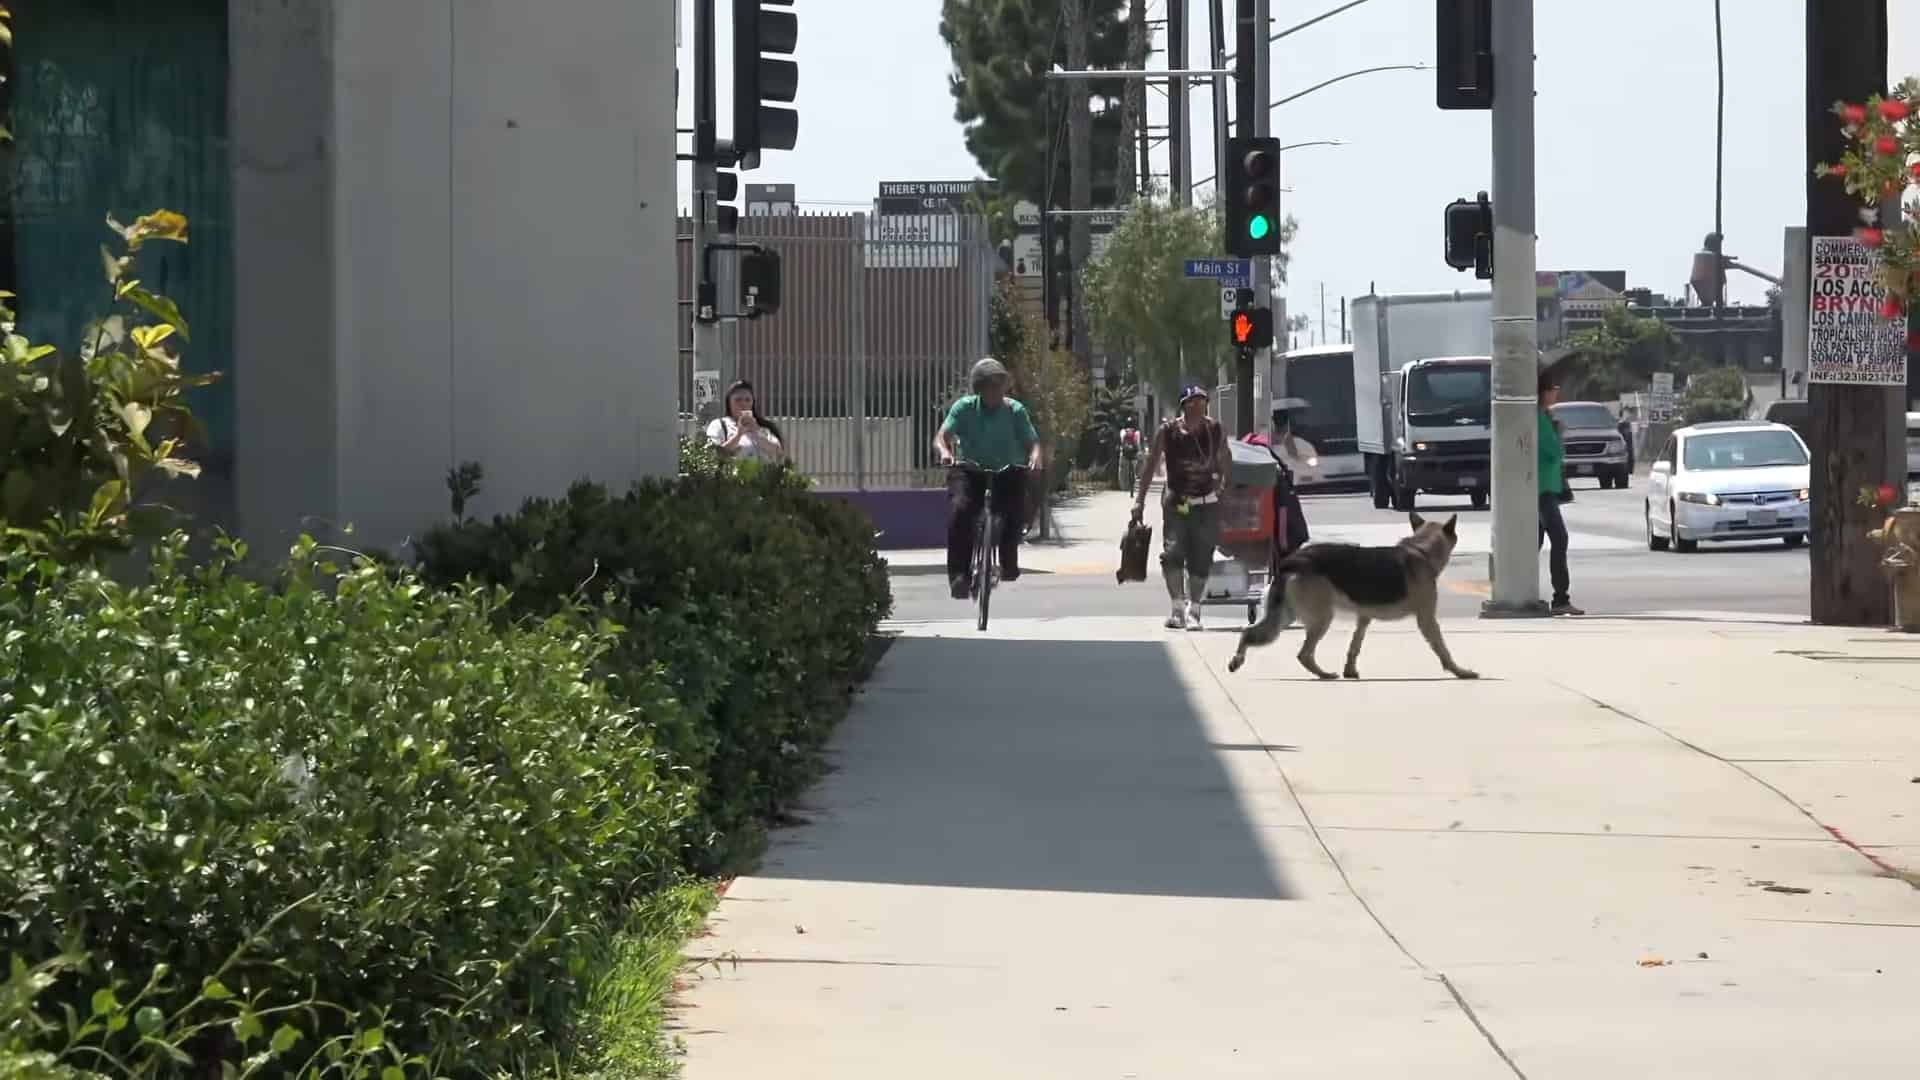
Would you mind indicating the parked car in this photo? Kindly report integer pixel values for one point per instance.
(1729, 480)
(1591, 434)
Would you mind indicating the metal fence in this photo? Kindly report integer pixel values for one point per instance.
(880, 318)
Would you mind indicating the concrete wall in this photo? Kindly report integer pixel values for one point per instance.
(495, 270)
(280, 102)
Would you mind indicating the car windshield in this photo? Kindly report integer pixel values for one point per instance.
(1588, 417)
(1450, 394)
(1756, 449)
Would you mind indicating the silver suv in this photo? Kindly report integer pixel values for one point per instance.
(1591, 434)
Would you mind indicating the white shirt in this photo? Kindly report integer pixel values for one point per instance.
(754, 445)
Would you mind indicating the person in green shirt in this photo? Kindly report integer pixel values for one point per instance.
(1553, 481)
(987, 428)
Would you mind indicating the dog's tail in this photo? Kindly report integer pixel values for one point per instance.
(1275, 613)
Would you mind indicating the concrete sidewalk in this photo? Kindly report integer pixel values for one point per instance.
(1662, 847)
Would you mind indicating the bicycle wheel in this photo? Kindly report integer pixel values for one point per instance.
(984, 559)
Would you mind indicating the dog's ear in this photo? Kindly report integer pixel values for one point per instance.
(1417, 521)
(1448, 527)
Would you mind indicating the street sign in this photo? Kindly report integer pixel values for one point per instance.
(1237, 270)
(1229, 299)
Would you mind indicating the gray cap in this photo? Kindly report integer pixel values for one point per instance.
(988, 368)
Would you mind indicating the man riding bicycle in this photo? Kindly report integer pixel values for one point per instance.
(994, 433)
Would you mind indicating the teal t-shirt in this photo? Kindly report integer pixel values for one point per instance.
(991, 438)
(1553, 457)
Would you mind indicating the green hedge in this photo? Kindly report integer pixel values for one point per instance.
(757, 598)
(425, 814)
(390, 800)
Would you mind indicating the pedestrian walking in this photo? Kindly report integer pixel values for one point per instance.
(1553, 493)
(1194, 448)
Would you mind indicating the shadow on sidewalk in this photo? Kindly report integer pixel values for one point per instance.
(1068, 766)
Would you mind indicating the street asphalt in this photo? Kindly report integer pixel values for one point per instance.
(1613, 572)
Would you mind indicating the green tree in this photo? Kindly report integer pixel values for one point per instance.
(1719, 393)
(1621, 354)
(1001, 52)
(1141, 302)
(1047, 381)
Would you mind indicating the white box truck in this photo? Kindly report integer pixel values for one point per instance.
(1423, 395)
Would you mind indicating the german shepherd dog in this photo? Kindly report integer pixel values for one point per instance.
(1372, 582)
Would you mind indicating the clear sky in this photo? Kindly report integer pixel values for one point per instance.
(1625, 131)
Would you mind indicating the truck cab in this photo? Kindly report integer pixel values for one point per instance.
(1442, 417)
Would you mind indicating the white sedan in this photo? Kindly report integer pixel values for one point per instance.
(1728, 480)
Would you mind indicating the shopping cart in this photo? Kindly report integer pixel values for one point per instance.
(1254, 528)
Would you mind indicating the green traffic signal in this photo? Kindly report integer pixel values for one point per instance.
(1258, 226)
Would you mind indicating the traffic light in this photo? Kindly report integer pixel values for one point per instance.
(726, 189)
(759, 282)
(1469, 236)
(1463, 56)
(1251, 327)
(1253, 196)
(761, 27)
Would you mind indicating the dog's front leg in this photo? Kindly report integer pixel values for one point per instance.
(1430, 629)
(1353, 647)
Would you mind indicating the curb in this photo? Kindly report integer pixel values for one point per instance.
(915, 570)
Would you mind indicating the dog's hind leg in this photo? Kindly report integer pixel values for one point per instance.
(1275, 614)
(1318, 619)
(1430, 629)
(1353, 647)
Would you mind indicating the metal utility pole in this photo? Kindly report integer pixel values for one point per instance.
(1217, 56)
(1179, 156)
(706, 331)
(1516, 370)
(1856, 431)
(1080, 181)
(1133, 114)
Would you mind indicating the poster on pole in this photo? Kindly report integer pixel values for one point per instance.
(1660, 409)
(1849, 341)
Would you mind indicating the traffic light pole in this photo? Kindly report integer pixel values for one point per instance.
(706, 326)
(1251, 20)
(1516, 372)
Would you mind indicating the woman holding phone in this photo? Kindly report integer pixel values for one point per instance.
(743, 434)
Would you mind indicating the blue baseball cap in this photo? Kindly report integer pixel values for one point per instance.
(1194, 391)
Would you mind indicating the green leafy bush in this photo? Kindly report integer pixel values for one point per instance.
(402, 806)
(1716, 394)
(756, 598)
(82, 430)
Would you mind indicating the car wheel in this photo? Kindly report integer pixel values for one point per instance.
(1680, 543)
(1654, 542)
(1795, 540)
(1673, 531)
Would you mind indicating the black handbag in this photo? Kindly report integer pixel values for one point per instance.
(1135, 549)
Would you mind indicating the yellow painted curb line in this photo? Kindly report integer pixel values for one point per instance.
(1469, 588)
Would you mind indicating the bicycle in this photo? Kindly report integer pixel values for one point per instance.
(986, 539)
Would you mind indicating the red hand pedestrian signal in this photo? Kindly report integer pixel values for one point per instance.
(1251, 327)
